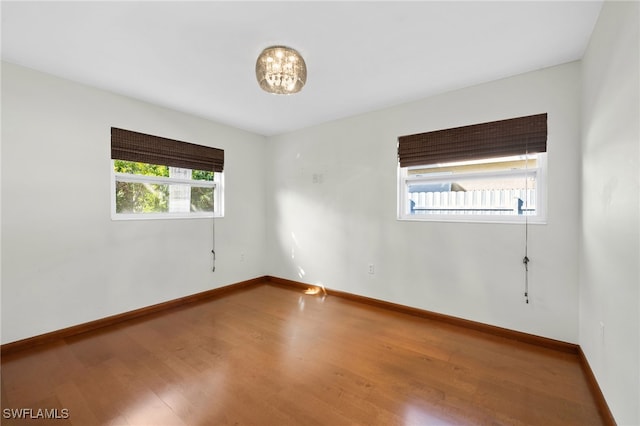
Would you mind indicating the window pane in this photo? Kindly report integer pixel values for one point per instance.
(511, 195)
(134, 197)
(134, 168)
(493, 164)
(202, 199)
(177, 191)
(494, 190)
(145, 169)
(202, 175)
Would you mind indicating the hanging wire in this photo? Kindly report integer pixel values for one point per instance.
(525, 259)
(213, 242)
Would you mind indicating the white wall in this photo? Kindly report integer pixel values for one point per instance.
(64, 260)
(330, 197)
(610, 234)
(328, 232)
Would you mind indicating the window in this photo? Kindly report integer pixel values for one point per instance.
(158, 178)
(491, 172)
(497, 189)
(146, 189)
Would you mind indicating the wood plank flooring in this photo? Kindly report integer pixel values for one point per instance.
(269, 355)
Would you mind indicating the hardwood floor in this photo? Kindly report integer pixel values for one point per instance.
(268, 355)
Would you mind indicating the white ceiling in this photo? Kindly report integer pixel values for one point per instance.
(199, 57)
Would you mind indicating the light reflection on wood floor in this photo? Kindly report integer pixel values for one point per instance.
(269, 355)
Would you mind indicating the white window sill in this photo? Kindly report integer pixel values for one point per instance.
(164, 216)
(531, 220)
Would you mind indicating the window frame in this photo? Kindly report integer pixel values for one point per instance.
(540, 172)
(217, 184)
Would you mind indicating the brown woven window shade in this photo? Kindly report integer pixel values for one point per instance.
(133, 146)
(515, 136)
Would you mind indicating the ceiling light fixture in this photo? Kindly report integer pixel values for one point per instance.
(281, 70)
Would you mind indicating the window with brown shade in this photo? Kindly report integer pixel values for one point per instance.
(493, 172)
(160, 178)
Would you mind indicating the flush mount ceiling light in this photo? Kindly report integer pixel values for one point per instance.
(281, 70)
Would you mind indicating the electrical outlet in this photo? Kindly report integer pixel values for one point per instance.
(241, 257)
(372, 269)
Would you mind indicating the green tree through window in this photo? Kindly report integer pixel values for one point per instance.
(151, 197)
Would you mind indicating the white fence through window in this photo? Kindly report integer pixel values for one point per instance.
(492, 202)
